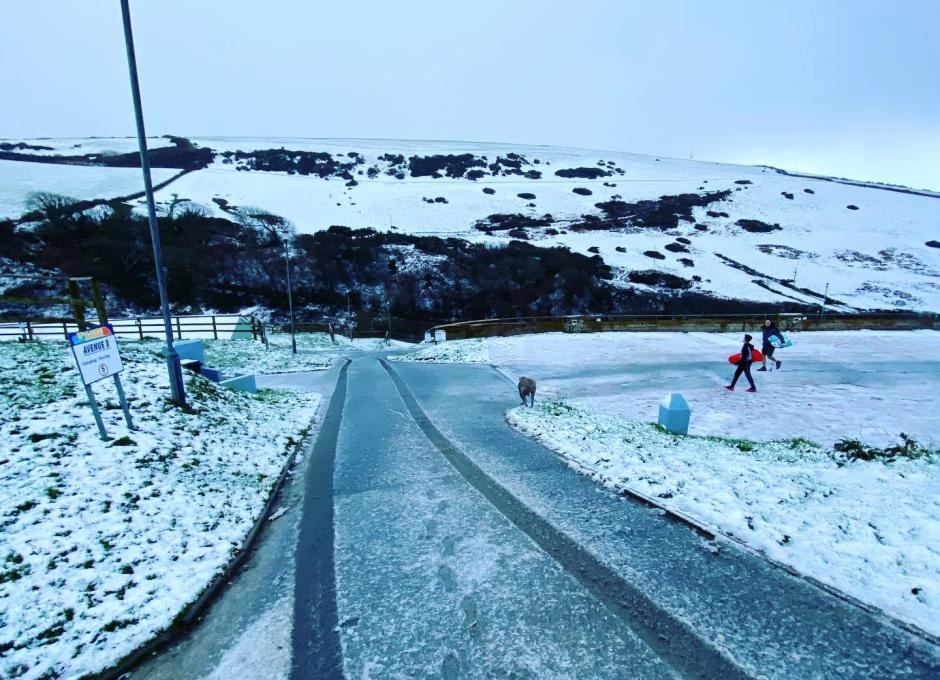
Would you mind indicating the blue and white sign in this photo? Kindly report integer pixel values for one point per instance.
(96, 353)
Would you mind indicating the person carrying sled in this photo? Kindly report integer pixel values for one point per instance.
(769, 331)
(744, 366)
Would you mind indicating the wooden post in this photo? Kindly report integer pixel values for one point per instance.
(215, 330)
(65, 329)
(29, 330)
(332, 337)
(78, 305)
(98, 300)
(179, 329)
(140, 328)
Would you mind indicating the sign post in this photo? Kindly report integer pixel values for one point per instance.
(96, 353)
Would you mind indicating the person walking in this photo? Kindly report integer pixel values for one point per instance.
(769, 331)
(744, 366)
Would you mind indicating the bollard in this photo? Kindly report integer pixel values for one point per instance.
(674, 413)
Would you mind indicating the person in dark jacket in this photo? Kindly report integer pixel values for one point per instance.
(769, 331)
(744, 365)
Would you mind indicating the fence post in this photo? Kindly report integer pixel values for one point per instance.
(140, 328)
(65, 329)
(215, 330)
(332, 337)
(78, 305)
(29, 330)
(98, 300)
(179, 329)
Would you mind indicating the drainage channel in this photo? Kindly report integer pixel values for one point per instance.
(687, 653)
(315, 638)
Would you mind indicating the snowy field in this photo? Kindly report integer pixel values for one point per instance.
(760, 467)
(19, 179)
(105, 543)
(868, 243)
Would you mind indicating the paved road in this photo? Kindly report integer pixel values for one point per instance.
(446, 545)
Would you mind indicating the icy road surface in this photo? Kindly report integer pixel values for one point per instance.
(432, 540)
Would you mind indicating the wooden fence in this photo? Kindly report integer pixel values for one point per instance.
(683, 323)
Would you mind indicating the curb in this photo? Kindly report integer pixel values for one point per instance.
(713, 535)
(193, 611)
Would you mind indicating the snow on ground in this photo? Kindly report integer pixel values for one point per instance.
(871, 529)
(867, 385)
(19, 179)
(472, 351)
(253, 356)
(105, 543)
(868, 528)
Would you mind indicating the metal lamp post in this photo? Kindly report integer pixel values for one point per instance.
(290, 296)
(177, 390)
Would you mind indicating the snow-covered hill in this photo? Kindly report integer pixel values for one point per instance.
(734, 231)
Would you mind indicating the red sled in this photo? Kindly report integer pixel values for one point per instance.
(755, 356)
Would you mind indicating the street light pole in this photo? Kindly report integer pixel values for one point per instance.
(290, 297)
(177, 390)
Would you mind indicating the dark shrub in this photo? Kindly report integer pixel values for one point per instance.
(786, 194)
(620, 249)
(487, 190)
(852, 207)
(809, 191)
(527, 196)
(757, 227)
(687, 262)
(581, 191)
(656, 255)
(743, 181)
(594, 249)
(583, 173)
(715, 215)
(651, 277)
(682, 239)
(932, 244)
(676, 248)
(452, 165)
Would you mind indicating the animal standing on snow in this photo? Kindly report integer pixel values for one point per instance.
(527, 389)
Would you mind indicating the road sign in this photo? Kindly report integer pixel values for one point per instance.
(96, 353)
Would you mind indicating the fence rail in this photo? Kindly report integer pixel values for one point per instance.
(681, 322)
(215, 326)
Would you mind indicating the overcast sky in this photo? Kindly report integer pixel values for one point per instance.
(840, 87)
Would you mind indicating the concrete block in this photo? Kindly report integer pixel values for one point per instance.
(190, 349)
(244, 383)
(674, 413)
(213, 374)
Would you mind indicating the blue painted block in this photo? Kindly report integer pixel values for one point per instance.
(190, 349)
(243, 383)
(213, 374)
(674, 413)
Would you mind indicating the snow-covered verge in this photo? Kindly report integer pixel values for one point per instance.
(252, 355)
(866, 385)
(870, 529)
(105, 543)
(471, 351)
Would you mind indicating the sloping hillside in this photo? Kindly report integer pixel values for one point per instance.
(738, 232)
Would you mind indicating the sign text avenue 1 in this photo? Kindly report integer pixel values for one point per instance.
(96, 353)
